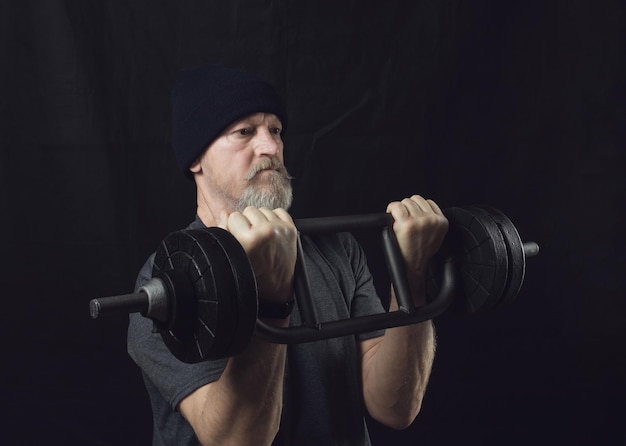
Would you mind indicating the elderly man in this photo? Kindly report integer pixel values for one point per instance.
(228, 137)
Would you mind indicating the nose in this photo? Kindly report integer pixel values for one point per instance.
(267, 143)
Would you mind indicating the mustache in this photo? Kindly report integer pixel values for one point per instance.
(268, 164)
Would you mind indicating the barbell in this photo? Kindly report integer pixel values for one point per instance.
(202, 296)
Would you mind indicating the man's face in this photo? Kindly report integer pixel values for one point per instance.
(244, 166)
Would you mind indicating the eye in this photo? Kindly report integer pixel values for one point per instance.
(246, 131)
(276, 130)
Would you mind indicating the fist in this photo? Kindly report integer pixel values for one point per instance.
(420, 227)
(269, 239)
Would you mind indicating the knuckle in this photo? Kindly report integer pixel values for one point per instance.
(265, 230)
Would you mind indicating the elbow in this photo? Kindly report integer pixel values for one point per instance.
(258, 436)
(401, 422)
(397, 418)
(259, 430)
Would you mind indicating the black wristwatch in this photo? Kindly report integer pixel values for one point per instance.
(271, 310)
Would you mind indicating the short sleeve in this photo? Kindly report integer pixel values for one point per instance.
(173, 378)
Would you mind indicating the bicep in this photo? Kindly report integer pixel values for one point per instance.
(193, 409)
(191, 406)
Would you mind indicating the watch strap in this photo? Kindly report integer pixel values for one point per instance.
(275, 310)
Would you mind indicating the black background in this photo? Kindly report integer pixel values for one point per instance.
(517, 104)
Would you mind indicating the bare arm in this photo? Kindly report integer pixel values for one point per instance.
(397, 366)
(244, 406)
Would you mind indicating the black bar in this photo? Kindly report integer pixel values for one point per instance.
(126, 303)
(343, 223)
(397, 271)
(362, 324)
(302, 288)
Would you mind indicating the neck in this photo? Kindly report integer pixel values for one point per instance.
(210, 213)
(209, 208)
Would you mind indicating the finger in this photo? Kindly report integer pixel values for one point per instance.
(268, 214)
(414, 208)
(238, 221)
(420, 202)
(283, 215)
(435, 207)
(255, 215)
(277, 217)
(398, 211)
(427, 205)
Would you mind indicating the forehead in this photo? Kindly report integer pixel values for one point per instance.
(258, 119)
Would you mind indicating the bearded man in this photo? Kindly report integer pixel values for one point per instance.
(228, 128)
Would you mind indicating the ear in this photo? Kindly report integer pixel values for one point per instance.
(196, 167)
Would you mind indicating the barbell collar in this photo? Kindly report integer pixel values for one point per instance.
(158, 301)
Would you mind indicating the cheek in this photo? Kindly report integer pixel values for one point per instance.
(232, 168)
(281, 151)
(229, 162)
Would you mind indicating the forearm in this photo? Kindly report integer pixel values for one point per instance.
(244, 406)
(396, 369)
(396, 372)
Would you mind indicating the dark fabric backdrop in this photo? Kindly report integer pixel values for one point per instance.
(517, 104)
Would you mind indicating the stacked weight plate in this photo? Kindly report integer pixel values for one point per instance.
(213, 315)
(490, 255)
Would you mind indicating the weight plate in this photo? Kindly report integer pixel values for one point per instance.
(515, 250)
(179, 252)
(246, 299)
(477, 245)
(208, 331)
(218, 306)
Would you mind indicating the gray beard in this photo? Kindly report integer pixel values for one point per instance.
(278, 195)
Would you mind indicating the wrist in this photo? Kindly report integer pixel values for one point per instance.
(275, 310)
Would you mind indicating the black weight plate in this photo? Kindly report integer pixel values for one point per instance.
(515, 249)
(179, 252)
(174, 254)
(194, 339)
(246, 299)
(499, 254)
(225, 296)
(478, 247)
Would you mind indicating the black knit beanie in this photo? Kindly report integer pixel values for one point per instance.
(207, 99)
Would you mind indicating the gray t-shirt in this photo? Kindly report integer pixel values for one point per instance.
(323, 401)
